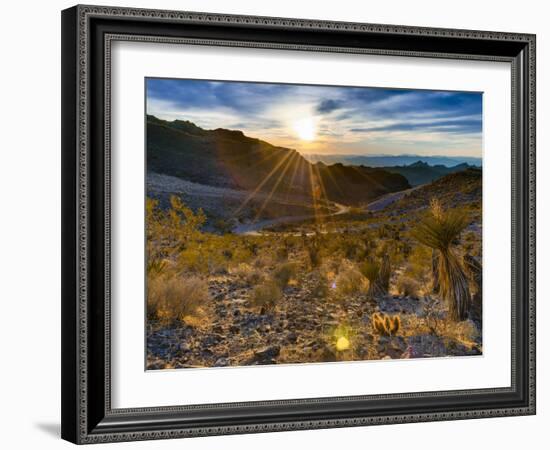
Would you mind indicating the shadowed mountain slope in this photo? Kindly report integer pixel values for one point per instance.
(229, 159)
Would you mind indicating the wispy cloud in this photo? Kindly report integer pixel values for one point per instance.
(347, 119)
(329, 105)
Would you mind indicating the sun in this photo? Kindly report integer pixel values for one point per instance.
(305, 128)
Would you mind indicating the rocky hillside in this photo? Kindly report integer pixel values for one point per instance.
(229, 159)
(459, 189)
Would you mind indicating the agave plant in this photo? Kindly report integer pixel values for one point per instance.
(438, 230)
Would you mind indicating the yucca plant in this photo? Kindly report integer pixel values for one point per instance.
(385, 273)
(371, 271)
(438, 230)
(435, 274)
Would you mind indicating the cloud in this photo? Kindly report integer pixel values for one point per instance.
(362, 119)
(442, 126)
(327, 106)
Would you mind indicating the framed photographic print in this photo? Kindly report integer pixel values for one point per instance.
(281, 224)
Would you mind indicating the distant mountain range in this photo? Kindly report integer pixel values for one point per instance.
(229, 159)
(422, 173)
(394, 160)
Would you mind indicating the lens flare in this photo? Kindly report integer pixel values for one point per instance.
(342, 344)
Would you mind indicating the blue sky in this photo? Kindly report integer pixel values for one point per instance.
(328, 119)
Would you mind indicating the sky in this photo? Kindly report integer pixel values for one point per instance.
(328, 119)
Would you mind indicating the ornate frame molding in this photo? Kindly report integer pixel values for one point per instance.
(77, 425)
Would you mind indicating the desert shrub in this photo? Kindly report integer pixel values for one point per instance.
(173, 298)
(368, 242)
(266, 295)
(227, 254)
(251, 247)
(262, 261)
(405, 249)
(223, 226)
(156, 266)
(314, 254)
(385, 325)
(242, 254)
(467, 331)
(384, 231)
(393, 250)
(438, 230)
(419, 270)
(407, 286)
(350, 281)
(289, 242)
(193, 260)
(350, 248)
(284, 273)
(281, 253)
(173, 228)
(247, 273)
(319, 285)
(331, 265)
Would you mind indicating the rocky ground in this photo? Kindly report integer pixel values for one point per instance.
(303, 328)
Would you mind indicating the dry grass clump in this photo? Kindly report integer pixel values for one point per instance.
(263, 261)
(408, 286)
(266, 295)
(466, 332)
(281, 253)
(350, 281)
(247, 273)
(319, 285)
(284, 273)
(313, 251)
(173, 298)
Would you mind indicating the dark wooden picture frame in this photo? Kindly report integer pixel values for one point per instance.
(87, 34)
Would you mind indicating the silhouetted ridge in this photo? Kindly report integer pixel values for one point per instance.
(229, 158)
